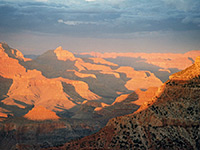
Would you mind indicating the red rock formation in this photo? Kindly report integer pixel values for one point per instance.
(126, 103)
(64, 54)
(81, 88)
(102, 61)
(139, 79)
(163, 60)
(81, 65)
(13, 53)
(82, 75)
(170, 120)
(9, 67)
(138, 97)
(41, 113)
(30, 86)
(27, 83)
(144, 96)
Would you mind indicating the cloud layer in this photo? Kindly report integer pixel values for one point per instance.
(115, 16)
(99, 18)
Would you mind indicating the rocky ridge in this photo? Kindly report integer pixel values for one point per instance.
(170, 120)
(160, 64)
(163, 60)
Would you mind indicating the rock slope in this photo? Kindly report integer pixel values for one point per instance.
(41, 113)
(170, 120)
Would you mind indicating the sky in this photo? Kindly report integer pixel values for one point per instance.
(35, 26)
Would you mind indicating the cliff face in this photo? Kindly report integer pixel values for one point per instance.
(160, 64)
(28, 87)
(63, 54)
(13, 53)
(170, 120)
(163, 60)
(57, 88)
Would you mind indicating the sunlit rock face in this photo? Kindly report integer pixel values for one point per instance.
(197, 62)
(9, 66)
(57, 92)
(81, 88)
(169, 120)
(30, 87)
(13, 53)
(162, 65)
(147, 78)
(105, 79)
(63, 54)
(41, 113)
(163, 60)
(102, 61)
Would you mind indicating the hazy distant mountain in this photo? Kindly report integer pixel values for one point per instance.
(169, 120)
(31, 56)
(161, 64)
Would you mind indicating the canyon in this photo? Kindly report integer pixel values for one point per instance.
(169, 120)
(60, 96)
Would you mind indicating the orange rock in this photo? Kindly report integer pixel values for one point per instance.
(9, 67)
(82, 75)
(102, 61)
(121, 98)
(163, 60)
(81, 88)
(30, 86)
(139, 79)
(144, 96)
(64, 54)
(13, 53)
(111, 73)
(82, 65)
(41, 113)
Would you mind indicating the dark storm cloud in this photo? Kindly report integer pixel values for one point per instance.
(84, 18)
